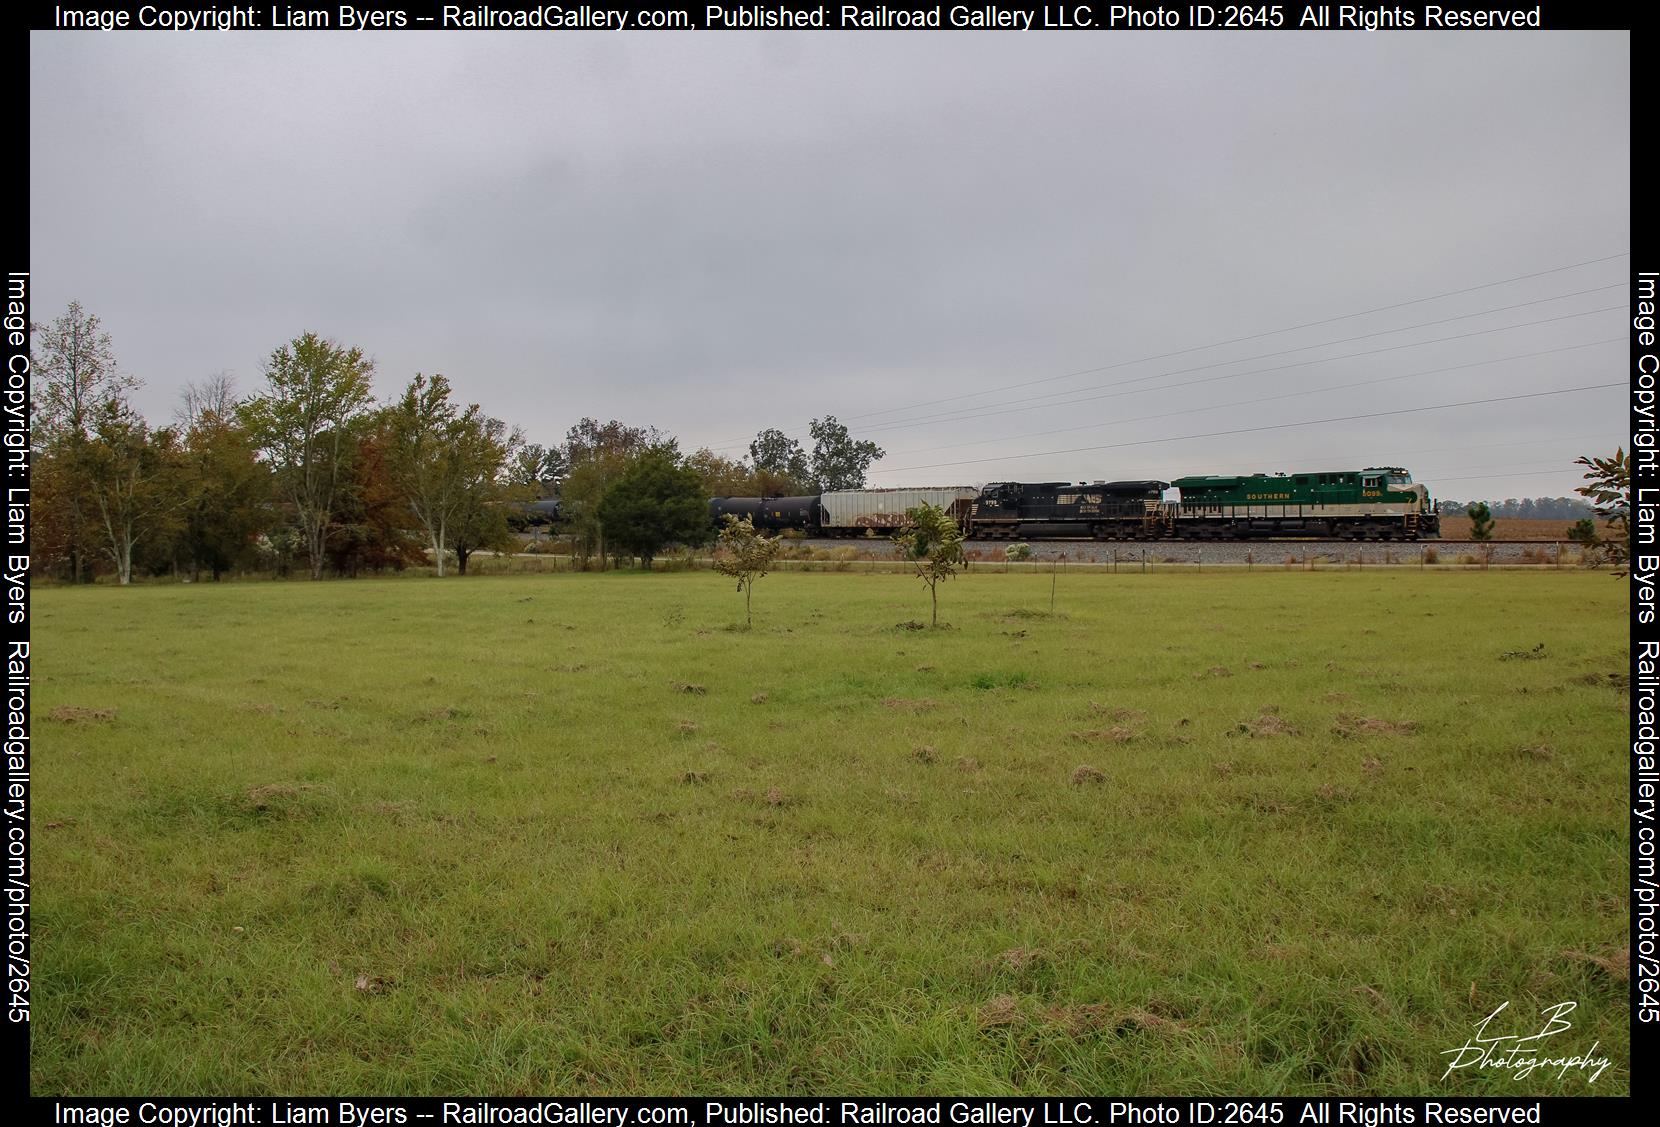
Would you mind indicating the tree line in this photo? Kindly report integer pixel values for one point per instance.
(1525, 508)
(310, 472)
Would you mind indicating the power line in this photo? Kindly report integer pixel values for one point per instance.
(1249, 466)
(959, 412)
(957, 417)
(1232, 340)
(1265, 398)
(1268, 427)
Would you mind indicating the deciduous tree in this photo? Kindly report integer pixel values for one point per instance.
(1609, 490)
(447, 460)
(134, 480)
(316, 398)
(595, 455)
(75, 378)
(933, 543)
(838, 461)
(745, 555)
(780, 457)
(226, 489)
(653, 503)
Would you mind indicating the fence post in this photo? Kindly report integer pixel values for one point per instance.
(1144, 561)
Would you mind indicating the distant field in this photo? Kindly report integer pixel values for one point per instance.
(1279, 832)
(1458, 528)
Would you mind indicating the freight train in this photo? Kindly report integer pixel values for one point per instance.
(1379, 503)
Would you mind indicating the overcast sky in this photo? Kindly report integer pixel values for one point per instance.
(716, 233)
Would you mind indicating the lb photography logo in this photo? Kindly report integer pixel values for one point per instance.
(1522, 1054)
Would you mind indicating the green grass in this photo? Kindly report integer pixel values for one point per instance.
(544, 834)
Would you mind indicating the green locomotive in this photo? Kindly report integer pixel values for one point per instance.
(1380, 503)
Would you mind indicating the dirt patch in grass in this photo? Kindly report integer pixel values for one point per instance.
(758, 698)
(1214, 671)
(686, 727)
(772, 796)
(1084, 773)
(1616, 966)
(1001, 1010)
(445, 713)
(72, 714)
(694, 778)
(279, 799)
(1348, 724)
(1537, 653)
(1266, 726)
(1019, 958)
(907, 704)
(1118, 715)
(1539, 754)
(1620, 681)
(688, 687)
(967, 764)
(1117, 734)
(1103, 1017)
(924, 754)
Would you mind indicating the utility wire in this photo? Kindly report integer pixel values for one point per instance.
(1231, 340)
(959, 412)
(1288, 328)
(1267, 427)
(959, 418)
(1262, 398)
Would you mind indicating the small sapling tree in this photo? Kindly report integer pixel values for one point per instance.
(933, 543)
(745, 555)
(1481, 521)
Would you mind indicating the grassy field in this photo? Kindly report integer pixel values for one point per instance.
(1270, 833)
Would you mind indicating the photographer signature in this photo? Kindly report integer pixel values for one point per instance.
(1521, 1055)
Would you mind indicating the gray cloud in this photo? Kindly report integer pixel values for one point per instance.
(717, 233)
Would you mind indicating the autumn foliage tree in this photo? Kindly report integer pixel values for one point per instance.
(226, 490)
